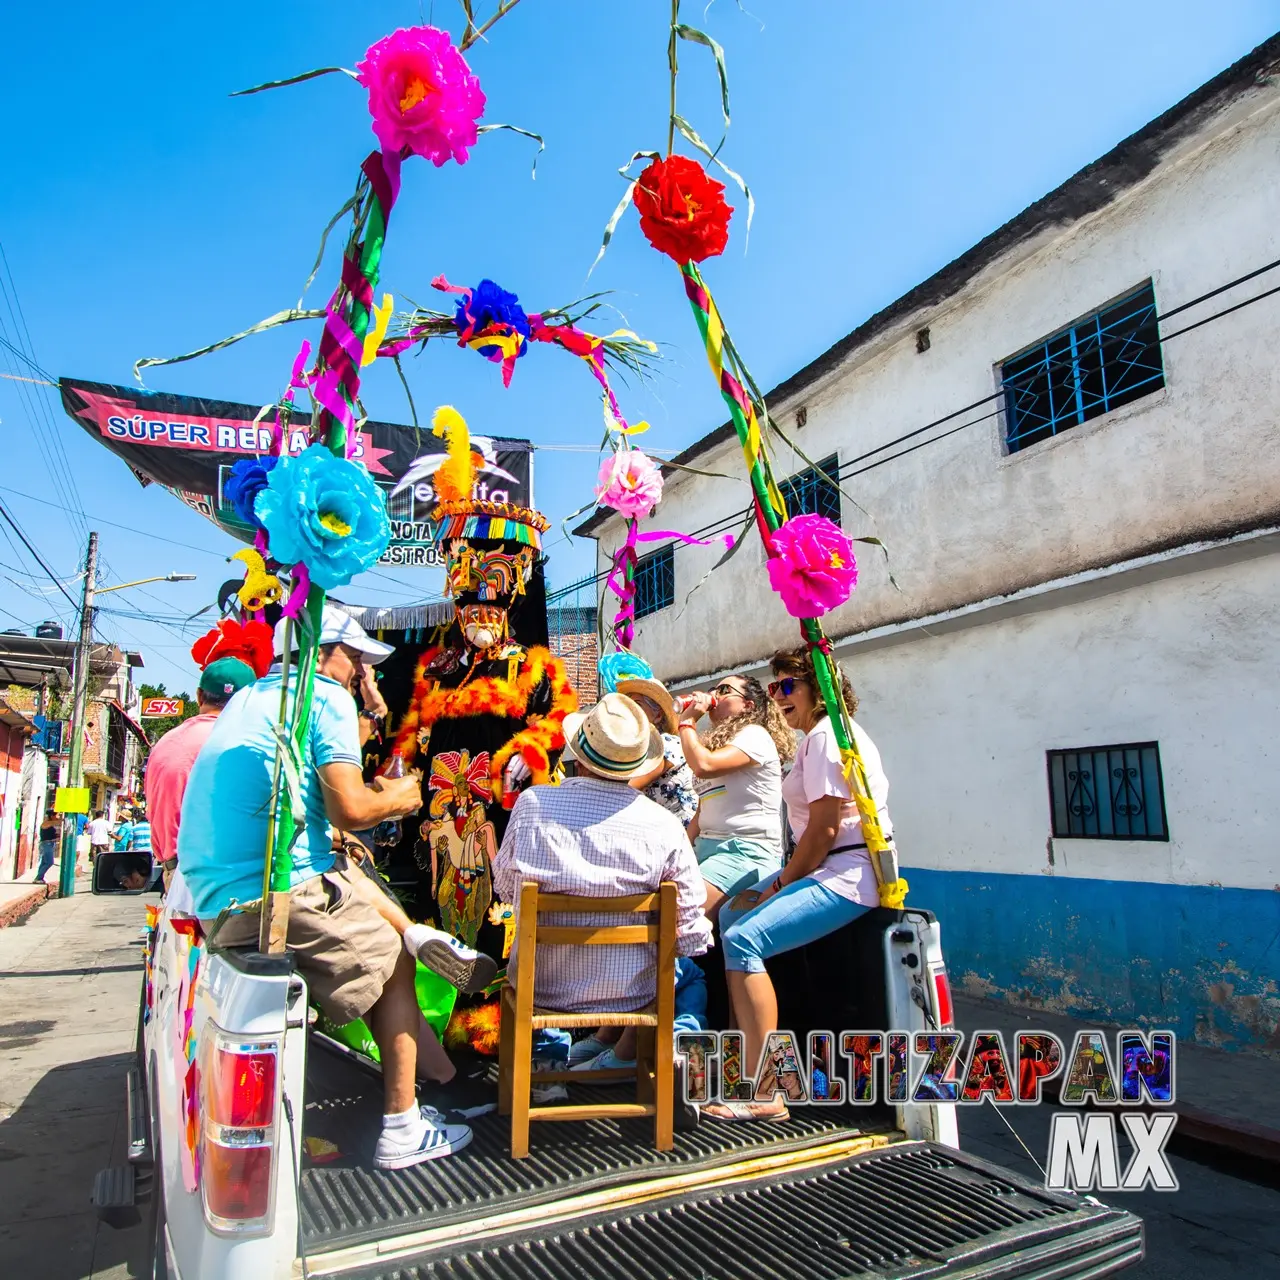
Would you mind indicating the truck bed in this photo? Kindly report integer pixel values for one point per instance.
(347, 1202)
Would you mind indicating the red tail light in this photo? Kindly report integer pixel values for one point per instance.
(237, 1181)
(942, 996)
(241, 1088)
(240, 1081)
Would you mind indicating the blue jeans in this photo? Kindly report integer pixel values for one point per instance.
(802, 912)
(48, 854)
(552, 1045)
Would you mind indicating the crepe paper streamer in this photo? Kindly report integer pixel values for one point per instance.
(373, 340)
(771, 513)
(621, 579)
(298, 592)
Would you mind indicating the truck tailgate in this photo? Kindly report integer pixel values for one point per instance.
(914, 1210)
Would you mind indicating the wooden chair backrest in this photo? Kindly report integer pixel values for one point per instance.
(530, 931)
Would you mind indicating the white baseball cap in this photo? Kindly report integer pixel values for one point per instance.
(338, 627)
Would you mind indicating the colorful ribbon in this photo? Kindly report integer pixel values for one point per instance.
(771, 512)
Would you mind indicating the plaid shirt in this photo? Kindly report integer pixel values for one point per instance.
(599, 839)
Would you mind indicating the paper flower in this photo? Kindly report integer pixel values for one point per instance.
(490, 304)
(422, 95)
(630, 483)
(326, 513)
(813, 568)
(248, 478)
(682, 211)
(622, 666)
(250, 641)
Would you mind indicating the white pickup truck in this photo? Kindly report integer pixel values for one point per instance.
(251, 1137)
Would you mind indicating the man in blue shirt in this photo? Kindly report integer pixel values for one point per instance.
(353, 944)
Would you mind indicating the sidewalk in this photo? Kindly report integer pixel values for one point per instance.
(18, 898)
(1224, 1099)
(69, 985)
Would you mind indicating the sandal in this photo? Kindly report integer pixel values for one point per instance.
(745, 1111)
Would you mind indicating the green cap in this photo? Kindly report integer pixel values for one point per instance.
(226, 676)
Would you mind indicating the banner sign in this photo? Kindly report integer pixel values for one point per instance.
(71, 800)
(154, 708)
(189, 444)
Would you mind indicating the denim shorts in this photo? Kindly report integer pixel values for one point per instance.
(802, 912)
(736, 864)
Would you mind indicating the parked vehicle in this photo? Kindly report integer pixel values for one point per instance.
(231, 1079)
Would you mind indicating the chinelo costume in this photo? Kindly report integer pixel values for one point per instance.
(487, 710)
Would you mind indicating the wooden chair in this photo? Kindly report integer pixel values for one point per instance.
(654, 1023)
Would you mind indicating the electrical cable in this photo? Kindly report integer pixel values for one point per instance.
(850, 467)
(53, 577)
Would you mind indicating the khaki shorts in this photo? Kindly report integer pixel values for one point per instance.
(346, 951)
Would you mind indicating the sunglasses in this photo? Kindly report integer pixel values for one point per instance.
(728, 691)
(785, 686)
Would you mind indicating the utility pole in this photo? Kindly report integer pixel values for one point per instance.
(75, 772)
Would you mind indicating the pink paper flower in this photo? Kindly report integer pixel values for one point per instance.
(422, 95)
(630, 483)
(813, 569)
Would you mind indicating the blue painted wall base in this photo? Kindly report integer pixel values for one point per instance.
(1200, 960)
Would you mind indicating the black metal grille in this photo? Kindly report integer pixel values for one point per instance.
(887, 1214)
(808, 493)
(1108, 793)
(655, 581)
(1098, 364)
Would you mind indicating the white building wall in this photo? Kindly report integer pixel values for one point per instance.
(963, 521)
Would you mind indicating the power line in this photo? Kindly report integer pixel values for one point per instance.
(851, 468)
(53, 577)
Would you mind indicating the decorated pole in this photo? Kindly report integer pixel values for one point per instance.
(320, 512)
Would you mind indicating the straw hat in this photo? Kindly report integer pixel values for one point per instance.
(614, 739)
(656, 692)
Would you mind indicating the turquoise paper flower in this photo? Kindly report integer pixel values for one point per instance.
(622, 666)
(325, 512)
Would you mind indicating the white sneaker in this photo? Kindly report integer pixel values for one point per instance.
(407, 1145)
(459, 965)
(552, 1091)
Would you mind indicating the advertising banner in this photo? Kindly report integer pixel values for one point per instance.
(189, 444)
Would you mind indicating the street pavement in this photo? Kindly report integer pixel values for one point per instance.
(69, 984)
(1216, 1225)
(68, 1011)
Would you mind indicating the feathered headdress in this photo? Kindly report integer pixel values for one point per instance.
(251, 642)
(455, 477)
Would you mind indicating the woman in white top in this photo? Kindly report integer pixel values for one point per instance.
(828, 881)
(738, 763)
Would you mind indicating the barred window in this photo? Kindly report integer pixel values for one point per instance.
(1108, 793)
(655, 581)
(807, 493)
(1106, 360)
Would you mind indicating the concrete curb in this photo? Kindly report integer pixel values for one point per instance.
(20, 908)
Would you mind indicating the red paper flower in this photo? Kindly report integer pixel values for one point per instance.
(250, 641)
(682, 211)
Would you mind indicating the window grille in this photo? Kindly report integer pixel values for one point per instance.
(1109, 359)
(655, 581)
(1108, 793)
(807, 493)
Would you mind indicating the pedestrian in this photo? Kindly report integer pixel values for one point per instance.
(99, 834)
(49, 833)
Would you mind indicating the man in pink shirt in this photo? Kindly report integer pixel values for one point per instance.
(169, 764)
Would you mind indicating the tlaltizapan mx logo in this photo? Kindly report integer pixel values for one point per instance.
(934, 1067)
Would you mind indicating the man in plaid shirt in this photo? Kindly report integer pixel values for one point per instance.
(593, 836)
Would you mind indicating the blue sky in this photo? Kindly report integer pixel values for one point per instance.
(145, 212)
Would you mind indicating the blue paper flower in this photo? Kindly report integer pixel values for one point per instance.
(622, 666)
(325, 512)
(491, 304)
(248, 478)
